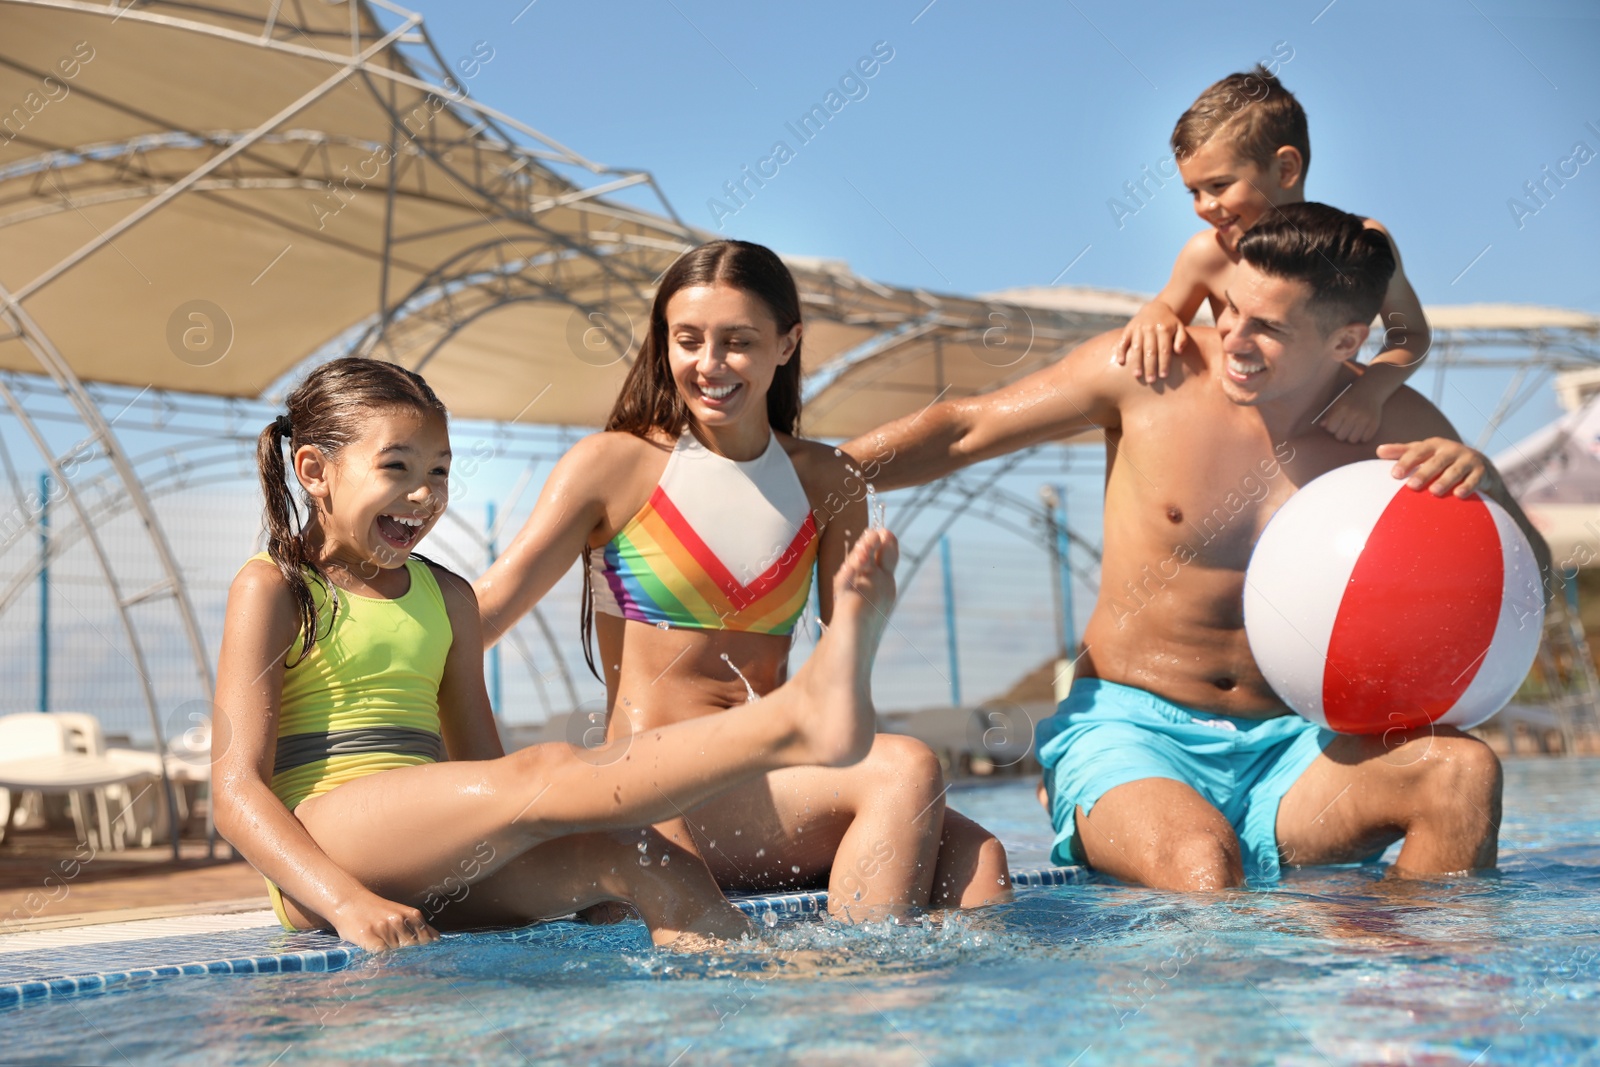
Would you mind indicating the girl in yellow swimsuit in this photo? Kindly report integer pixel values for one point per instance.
(355, 759)
(703, 515)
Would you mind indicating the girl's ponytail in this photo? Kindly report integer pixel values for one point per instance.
(285, 543)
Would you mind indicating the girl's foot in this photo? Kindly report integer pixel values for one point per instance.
(836, 714)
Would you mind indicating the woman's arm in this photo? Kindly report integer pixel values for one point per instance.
(571, 506)
(466, 718)
(257, 635)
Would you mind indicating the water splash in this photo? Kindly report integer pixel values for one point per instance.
(750, 693)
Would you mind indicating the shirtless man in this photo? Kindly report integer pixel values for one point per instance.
(1172, 763)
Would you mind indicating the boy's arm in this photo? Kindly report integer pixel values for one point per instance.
(1406, 340)
(1159, 328)
(1083, 390)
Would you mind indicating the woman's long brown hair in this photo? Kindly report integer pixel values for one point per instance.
(650, 400)
(326, 410)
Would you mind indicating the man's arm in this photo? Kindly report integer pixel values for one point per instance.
(1082, 391)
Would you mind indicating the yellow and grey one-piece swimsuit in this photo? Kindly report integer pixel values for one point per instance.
(366, 699)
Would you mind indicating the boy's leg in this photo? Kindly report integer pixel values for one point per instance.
(1438, 787)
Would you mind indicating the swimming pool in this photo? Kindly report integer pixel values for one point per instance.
(1331, 966)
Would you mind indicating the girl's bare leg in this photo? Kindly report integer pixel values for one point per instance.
(669, 887)
(408, 829)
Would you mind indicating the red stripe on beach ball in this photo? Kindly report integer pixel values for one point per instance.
(1418, 615)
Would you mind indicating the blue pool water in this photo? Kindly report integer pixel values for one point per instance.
(1332, 966)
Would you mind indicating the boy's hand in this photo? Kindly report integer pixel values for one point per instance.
(1354, 415)
(1149, 340)
(1438, 463)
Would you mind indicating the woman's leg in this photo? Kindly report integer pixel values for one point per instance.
(972, 870)
(878, 832)
(408, 829)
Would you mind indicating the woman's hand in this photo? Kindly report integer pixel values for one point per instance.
(1440, 464)
(377, 924)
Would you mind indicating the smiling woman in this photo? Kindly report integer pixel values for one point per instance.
(702, 515)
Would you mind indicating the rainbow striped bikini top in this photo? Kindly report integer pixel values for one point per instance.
(720, 545)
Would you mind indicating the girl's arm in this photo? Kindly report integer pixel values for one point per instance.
(466, 718)
(257, 635)
(570, 506)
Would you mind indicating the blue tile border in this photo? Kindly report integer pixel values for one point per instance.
(768, 908)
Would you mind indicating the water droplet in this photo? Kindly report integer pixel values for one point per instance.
(664, 859)
(740, 833)
(858, 894)
(663, 626)
(999, 881)
(712, 845)
(644, 846)
(838, 451)
(750, 693)
(795, 869)
(760, 852)
(769, 919)
(644, 861)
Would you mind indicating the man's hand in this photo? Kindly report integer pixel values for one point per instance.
(1354, 416)
(1440, 464)
(1149, 339)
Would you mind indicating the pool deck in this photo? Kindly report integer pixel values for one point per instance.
(44, 883)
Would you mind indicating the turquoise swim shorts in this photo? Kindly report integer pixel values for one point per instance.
(1104, 735)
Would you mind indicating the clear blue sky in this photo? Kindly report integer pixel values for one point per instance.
(985, 151)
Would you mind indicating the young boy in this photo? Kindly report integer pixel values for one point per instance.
(1243, 150)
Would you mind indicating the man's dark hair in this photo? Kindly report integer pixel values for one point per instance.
(1346, 264)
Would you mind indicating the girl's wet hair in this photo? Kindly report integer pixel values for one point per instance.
(328, 410)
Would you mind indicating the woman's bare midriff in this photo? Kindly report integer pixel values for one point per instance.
(656, 677)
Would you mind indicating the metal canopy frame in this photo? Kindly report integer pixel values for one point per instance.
(903, 344)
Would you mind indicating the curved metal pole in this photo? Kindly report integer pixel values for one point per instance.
(67, 381)
(140, 665)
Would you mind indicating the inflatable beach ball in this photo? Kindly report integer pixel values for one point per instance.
(1370, 606)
